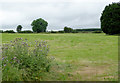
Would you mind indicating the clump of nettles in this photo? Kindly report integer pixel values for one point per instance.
(23, 60)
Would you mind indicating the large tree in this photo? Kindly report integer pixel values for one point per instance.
(110, 19)
(19, 28)
(39, 25)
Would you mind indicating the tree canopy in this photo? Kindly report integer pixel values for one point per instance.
(39, 25)
(68, 30)
(110, 19)
(19, 28)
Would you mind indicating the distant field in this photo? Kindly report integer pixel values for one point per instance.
(79, 56)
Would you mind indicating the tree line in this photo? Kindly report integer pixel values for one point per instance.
(66, 30)
(40, 25)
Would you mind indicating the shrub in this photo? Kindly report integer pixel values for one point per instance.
(26, 31)
(26, 61)
(110, 19)
(9, 31)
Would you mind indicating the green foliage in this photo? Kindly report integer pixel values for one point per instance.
(26, 61)
(26, 31)
(53, 31)
(68, 30)
(88, 30)
(97, 31)
(110, 19)
(74, 31)
(39, 25)
(1, 31)
(9, 31)
(60, 31)
(19, 28)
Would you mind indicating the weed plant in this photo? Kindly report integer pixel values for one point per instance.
(25, 61)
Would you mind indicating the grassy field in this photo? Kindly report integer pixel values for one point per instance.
(79, 56)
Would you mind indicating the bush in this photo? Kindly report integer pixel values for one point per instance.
(24, 61)
(9, 31)
(110, 19)
(26, 31)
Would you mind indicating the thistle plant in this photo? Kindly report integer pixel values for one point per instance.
(22, 60)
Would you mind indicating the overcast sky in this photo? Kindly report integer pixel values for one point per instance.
(58, 13)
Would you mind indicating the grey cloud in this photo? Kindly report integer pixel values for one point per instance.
(58, 14)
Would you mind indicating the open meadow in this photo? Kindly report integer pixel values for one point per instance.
(77, 56)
